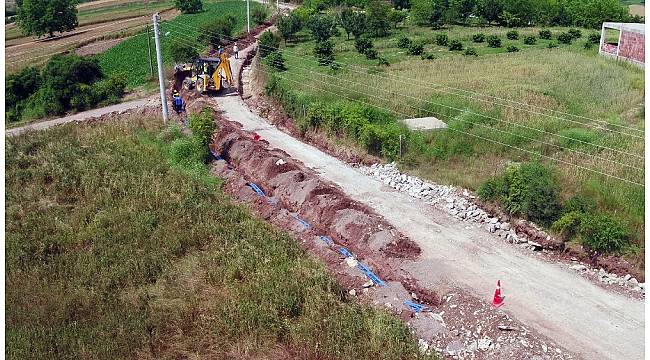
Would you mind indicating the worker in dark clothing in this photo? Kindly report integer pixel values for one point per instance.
(178, 103)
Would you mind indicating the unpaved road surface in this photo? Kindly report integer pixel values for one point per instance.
(86, 115)
(582, 317)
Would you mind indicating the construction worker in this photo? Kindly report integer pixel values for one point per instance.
(235, 49)
(177, 102)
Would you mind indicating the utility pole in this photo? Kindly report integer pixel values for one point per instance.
(248, 15)
(161, 75)
(149, 46)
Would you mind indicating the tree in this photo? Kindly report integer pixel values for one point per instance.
(353, 22)
(288, 26)
(490, 9)
(377, 20)
(396, 17)
(268, 43)
(39, 17)
(183, 52)
(401, 4)
(363, 44)
(322, 27)
(427, 12)
(189, 6)
(324, 52)
(218, 31)
(461, 9)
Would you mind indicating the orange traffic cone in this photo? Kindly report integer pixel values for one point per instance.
(498, 298)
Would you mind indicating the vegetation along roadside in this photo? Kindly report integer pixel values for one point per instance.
(518, 101)
(192, 273)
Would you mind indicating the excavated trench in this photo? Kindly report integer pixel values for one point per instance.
(296, 199)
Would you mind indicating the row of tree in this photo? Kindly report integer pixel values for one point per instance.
(513, 13)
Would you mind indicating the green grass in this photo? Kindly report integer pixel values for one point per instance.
(130, 56)
(569, 79)
(119, 245)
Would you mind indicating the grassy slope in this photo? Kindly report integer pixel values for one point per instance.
(113, 252)
(569, 79)
(130, 56)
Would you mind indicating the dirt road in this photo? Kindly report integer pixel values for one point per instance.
(584, 318)
(86, 115)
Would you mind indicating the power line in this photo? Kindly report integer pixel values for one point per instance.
(478, 136)
(474, 135)
(302, 57)
(410, 81)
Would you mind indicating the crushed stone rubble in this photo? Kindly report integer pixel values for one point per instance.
(490, 334)
(461, 205)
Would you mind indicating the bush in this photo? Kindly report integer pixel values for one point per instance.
(545, 34)
(565, 38)
(594, 38)
(19, 87)
(575, 33)
(189, 6)
(187, 151)
(217, 32)
(363, 44)
(268, 43)
(455, 45)
(471, 52)
(568, 225)
(442, 39)
(551, 45)
(182, 52)
(416, 49)
(493, 41)
(512, 48)
(382, 61)
(324, 52)
(530, 40)
(276, 61)
(478, 38)
(371, 54)
(580, 204)
(588, 45)
(427, 56)
(403, 42)
(259, 15)
(202, 126)
(601, 232)
(512, 35)
(529, 190)
(109, 91)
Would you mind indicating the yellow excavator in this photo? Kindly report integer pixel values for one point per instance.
(205, 74)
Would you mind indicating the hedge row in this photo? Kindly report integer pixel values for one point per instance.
(532, 191)
(377, 131)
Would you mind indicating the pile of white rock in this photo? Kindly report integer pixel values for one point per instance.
(603, 276)
(459, 204)
(447, 198)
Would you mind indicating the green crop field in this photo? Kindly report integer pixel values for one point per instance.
(130, 56)
(605, 99)
(118, 245)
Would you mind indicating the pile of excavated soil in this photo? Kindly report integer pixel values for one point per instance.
(458, 324)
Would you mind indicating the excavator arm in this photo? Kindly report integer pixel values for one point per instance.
(223, 71)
